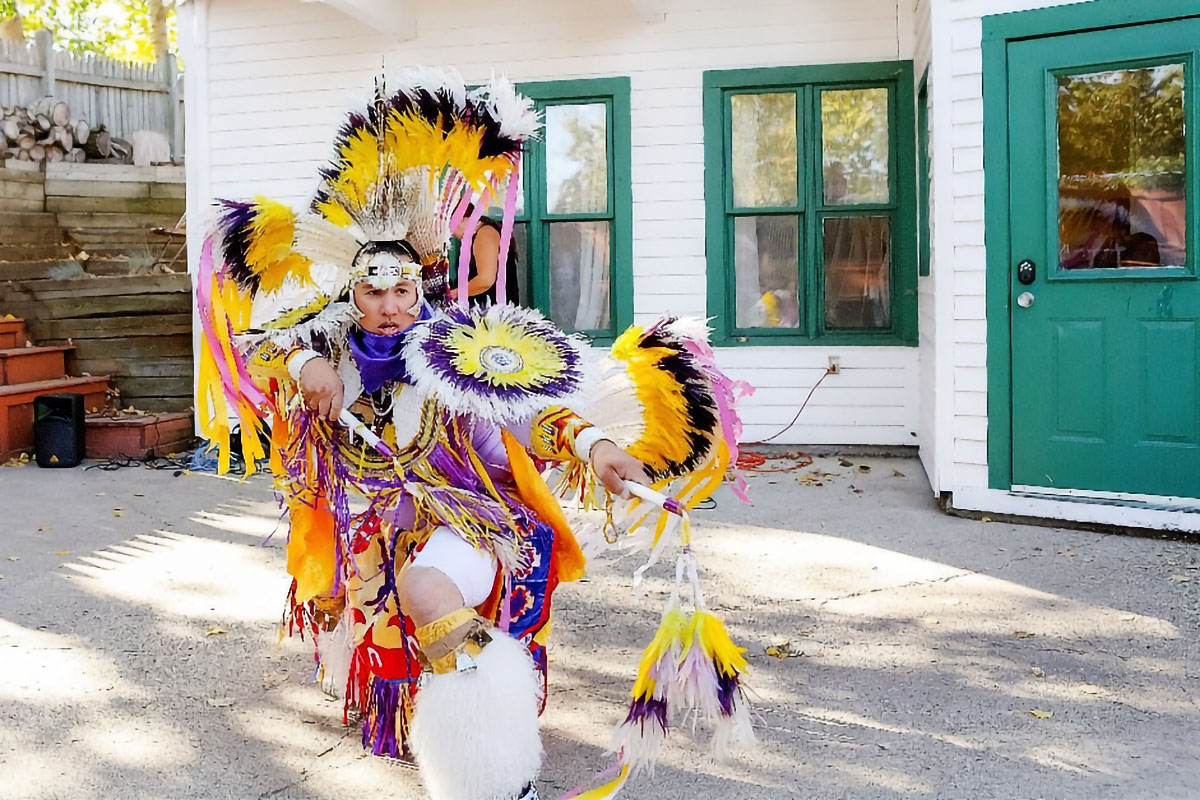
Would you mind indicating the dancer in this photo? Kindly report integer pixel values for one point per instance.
(429, 604)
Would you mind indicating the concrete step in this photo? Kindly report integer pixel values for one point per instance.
(16, 407)
(33, 364)
(12, 332)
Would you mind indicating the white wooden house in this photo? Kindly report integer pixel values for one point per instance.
(849, 183)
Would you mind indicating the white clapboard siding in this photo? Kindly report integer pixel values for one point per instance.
(959, 114)
(279, 74)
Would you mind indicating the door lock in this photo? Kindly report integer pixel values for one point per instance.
(1026, 272)
(1025, 299)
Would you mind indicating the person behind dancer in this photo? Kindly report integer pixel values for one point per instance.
(485, 256)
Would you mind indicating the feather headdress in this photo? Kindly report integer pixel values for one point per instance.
(404, 170)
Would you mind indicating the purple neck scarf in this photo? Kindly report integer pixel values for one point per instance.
(380, 358)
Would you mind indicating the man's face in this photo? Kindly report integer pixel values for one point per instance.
(385, 311)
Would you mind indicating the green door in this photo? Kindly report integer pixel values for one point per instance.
(1105, 303)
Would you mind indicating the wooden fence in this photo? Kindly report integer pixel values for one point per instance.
(122, 96)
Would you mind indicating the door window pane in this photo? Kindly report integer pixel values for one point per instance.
(854, 146)
(766, 257)
(1122, 200)
(858, 258)
(579, 275)
(576, 159)
(764, 150)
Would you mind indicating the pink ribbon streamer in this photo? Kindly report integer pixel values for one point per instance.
(506, 231)
(726, 392)
(233, 388)
(464, 250)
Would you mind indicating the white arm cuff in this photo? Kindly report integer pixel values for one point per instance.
(297, 361)
(586, 440)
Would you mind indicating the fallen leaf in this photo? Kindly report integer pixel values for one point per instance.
(897, 474)
(138, 494)
(781, 647)
(45, 528)
(214, 630)
(53, 459)
(14, 558)
(1128, 617)
(863, 468)
(116, 512)
(1088, 688)
(931, 620)
(985, 519)
(64, 552)
(275, 678)
(843, 462)
(1037, 672)
(220, 702)
(783, 652)
(1023, 634)
(1037, 712)
(1182, 578)
(1067, 553)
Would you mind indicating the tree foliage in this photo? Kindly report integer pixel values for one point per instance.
(1124, 126)
(130, 30)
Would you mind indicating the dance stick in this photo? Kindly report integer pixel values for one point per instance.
(669, 504)
(354, 424)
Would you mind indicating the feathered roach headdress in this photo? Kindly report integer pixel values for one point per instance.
(405, 170)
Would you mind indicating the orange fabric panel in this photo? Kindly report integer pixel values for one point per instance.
(567, 560)
(312, 548)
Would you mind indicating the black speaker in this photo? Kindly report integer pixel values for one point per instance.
(58, 430)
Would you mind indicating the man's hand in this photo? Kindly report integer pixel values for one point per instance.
(613, 466)
(322, 388)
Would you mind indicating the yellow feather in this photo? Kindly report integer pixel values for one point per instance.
(668, 636)
(608, 790)
(708, 633)
(664, 436)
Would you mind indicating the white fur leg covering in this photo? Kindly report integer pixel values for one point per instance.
(335, 650)
(475, 734)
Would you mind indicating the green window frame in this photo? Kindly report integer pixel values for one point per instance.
(810, 209)
(613, 94)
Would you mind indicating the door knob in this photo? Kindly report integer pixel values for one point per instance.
(1025, 299)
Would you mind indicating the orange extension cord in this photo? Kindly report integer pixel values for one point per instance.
(753, 461)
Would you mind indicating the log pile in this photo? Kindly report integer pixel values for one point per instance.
(45, 131)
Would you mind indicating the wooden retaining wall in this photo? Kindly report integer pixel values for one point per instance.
(138, 329)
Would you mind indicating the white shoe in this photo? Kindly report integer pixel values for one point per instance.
(530, 793)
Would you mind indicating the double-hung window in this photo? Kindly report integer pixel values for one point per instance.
(574, 219)
(810, 195)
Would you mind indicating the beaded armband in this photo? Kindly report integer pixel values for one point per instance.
(553, 434)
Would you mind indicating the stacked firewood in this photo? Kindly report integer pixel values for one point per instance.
(46, 131)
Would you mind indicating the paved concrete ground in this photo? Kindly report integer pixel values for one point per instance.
(139, 642)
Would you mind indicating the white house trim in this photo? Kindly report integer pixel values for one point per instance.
(998, 501)
(394, 18)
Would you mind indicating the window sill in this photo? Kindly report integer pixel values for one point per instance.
(827, 340)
